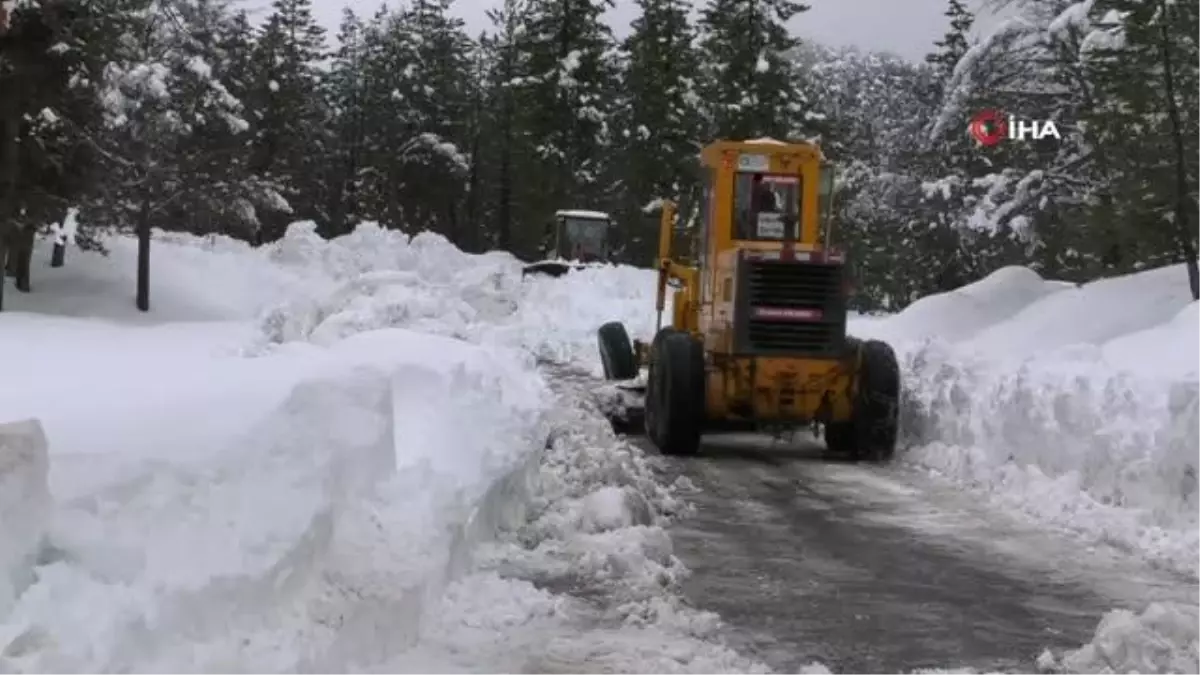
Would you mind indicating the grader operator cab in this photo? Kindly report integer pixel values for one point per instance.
(757, 338)
(580, 238)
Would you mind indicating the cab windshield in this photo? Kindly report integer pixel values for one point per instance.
(766, 207)
(584, 239)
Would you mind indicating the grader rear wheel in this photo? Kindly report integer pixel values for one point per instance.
(871, 433)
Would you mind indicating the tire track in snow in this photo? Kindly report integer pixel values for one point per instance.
(878, 569)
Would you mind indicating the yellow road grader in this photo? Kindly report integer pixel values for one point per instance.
(757, 338)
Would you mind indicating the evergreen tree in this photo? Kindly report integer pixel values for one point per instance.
(1144, 62)
(290, 114)
(953, 45)
(660, 120)
(751, 85)
(436, 93)
(346, 91)
(570, 89)
(507, 148)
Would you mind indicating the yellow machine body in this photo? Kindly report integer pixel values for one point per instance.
(769, 310)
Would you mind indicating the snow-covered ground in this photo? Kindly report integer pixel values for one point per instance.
(297, 461)
(342, 455)
(1079, 407)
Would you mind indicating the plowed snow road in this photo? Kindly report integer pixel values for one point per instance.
(880, 569)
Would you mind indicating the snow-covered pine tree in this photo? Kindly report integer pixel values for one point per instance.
(415, 93)
(384, 55)
(1143, 60)
(345, 87)
(290, 115)
(954, 43)
(47, 103)
(506, 150)
(435, 92)
(750, 84)
(162, 107)
(570, 88)
(219, 191)
(974, 195)
(874, 110)
(1040, 194)
(475, 128)
(659, 120)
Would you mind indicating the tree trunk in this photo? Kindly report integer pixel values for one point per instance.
(504, 208)
(9, 157)
(20, 256)
(143, 256)
(3, 258)
(471, 236)
(1183, 231)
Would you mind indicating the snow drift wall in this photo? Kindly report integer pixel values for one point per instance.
(1080, 406)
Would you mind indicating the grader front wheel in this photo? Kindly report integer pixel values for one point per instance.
(871, 432)
(617, 354)
(675, 393)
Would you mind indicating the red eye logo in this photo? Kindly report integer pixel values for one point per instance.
(989, 127)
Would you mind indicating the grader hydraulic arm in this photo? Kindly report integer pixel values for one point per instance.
(671, 270)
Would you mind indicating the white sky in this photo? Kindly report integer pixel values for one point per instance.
(907, 28)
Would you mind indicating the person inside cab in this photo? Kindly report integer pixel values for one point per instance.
(765, 199)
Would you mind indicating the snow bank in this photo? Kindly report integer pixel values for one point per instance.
(298, 466)
(588, 582)
(593, 523)
(965, 312)
(363, 483)
(1078, 406)
(380, 277)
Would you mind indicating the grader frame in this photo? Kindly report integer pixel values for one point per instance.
(757, 334)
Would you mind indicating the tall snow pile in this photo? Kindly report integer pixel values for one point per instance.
(1079, 406)
(377, 277)
(298, 459)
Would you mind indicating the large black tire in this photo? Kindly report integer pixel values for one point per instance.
(654, 387)
(872, 431)
(616, 352)
(675, 393)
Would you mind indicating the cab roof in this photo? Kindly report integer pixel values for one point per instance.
(579, 213)
(715, 152)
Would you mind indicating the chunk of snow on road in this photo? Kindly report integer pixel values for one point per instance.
(611, 508)
(1162, 639)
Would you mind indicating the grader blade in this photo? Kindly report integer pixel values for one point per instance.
(552, 268)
